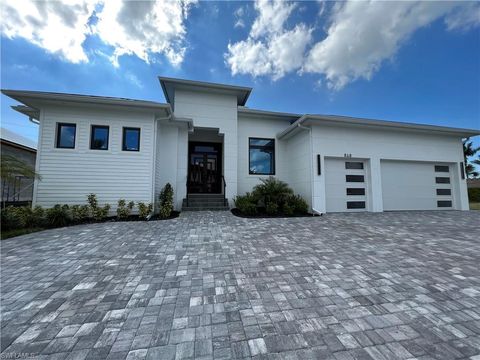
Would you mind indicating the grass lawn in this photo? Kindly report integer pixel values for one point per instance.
(11, 233)
(475, 206)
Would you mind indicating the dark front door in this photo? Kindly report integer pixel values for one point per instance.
(204, 168)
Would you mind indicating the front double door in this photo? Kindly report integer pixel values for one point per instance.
(204, 168)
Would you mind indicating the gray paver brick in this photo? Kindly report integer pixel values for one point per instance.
(213, 286)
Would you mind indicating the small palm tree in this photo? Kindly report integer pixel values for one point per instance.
(12, 167)
(469, 151)
(272, 190)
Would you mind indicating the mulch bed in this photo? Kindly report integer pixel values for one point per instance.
(237, 212)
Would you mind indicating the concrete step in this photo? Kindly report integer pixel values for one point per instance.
(198, 202)
(205, 202)
(205, 208)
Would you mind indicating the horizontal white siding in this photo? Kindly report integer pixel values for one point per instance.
(69, 175)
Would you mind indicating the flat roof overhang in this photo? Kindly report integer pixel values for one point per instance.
(33, 100)
(345, 121)
(169, 85)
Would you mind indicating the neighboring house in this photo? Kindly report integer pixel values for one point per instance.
(19, 191)
(206, 141)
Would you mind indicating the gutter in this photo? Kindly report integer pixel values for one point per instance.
(297, 124)
(173, 119)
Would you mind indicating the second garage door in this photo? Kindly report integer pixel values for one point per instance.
(408, 185)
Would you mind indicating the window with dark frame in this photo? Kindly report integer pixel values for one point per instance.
(99, 137)
(66, 133)
(131, 139)
(261, 156)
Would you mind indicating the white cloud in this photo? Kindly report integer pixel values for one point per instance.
(363, 34)
(57, 27)
(270, 49)
(464, 18)
(143, 28)
(272, 16)
(132, 78)
(140, 28)
(238, 14)
(360, 37)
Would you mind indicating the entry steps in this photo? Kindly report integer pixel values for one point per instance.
(200, 202)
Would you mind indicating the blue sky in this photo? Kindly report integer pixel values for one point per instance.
(403, 61)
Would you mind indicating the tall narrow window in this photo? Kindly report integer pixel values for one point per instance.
(131, 139)
(66, 135)
(261, 156)
(99, 137)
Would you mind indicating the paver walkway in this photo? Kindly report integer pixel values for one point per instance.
(211, 285)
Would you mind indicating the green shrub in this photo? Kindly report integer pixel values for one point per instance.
(123, 209)
(98, 213)
(22, 217)
(144, 210)
(297, 203)
(474, 194)
(10, 219)
(80, 213)
(288, 209)
(58, 216)
(38, 217)
(271, 208)
(166, 201)
(272, 190)
(246, 204)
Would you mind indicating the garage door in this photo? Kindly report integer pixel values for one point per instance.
(416, 186)
(345, 185)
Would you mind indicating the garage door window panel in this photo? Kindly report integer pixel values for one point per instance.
(442, 180)
(355, 191)
(355, 178)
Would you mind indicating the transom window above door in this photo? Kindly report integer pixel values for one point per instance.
(261, 155)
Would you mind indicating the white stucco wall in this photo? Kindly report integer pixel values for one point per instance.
(69, 175)
(252, 126)
(166, 158)
(299, 166)
(216, 111)
(374, 144)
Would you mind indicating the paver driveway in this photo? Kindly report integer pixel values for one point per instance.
(211, 285)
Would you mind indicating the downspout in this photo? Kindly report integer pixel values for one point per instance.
(309, 129)
(32, 120)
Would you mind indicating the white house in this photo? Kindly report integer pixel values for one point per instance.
(206, 142)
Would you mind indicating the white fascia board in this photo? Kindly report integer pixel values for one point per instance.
(359, 122)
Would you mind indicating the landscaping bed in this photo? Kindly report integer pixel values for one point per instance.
(24, 220)
(238, 213)
(271, 198)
